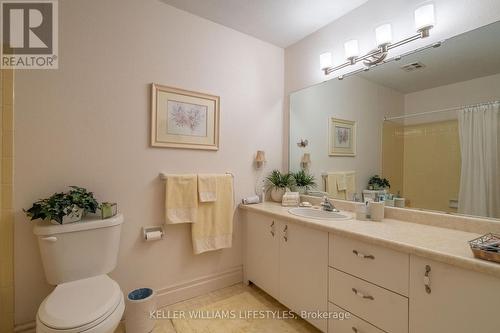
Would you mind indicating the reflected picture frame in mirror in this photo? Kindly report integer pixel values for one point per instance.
(341, 137)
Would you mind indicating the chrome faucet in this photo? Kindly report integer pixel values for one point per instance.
(328, 206)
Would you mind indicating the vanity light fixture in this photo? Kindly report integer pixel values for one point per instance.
(424, 22)
(260, 158)
(351, 50)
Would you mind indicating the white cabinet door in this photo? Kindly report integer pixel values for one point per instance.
(304, 270)
(458, 301)
(262, 252)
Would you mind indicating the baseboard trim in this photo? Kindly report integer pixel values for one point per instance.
(26, 327)
(196, 287)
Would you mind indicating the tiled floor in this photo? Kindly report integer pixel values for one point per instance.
(166, 325)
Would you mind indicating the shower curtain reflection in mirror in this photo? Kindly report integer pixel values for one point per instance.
(480, 172)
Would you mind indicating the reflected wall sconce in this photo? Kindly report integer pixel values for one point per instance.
(305, 161)
(260, 158)
(424, 22)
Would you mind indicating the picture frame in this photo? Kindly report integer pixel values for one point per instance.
(184, 119)
(342, 137)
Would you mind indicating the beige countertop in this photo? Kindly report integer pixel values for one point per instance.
(436, 243)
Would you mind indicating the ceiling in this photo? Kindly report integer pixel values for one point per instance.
(464, 57)
(279, 22)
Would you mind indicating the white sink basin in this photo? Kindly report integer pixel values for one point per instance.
(318, 214)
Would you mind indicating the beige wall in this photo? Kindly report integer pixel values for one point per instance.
(473, 91)
(88, 124)
(6, 216)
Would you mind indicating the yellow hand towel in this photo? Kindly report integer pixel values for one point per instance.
(181, 198)
(341, 181)
(207, 188)
(214, 223)
(331, 186)
(351, 184)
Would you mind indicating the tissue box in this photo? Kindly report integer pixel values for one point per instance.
(290, 199)
(108, 209)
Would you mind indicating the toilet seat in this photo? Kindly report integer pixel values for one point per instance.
(80, 305)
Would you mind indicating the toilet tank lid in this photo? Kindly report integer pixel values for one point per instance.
(45, 228)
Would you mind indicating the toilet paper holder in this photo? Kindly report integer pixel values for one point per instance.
(150, 230)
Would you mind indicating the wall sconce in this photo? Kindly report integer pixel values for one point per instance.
(305, 161)
(260, 158)
(424, 22)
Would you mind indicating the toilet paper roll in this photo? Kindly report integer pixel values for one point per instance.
(251, 200)
(153, 235)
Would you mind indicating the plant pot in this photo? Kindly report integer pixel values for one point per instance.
(74, 214)
(277, 193)
(301, 189)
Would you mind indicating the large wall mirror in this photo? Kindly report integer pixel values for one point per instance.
(427, 122)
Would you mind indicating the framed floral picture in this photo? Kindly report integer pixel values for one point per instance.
(184, 119)
(342, 137)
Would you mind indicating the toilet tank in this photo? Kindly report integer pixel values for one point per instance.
(78, 250)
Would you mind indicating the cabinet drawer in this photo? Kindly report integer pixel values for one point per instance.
(351, 325)
(381, 266)
(376, 305)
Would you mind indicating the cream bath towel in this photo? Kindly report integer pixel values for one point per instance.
(350, 184)
(207, 188)
(181, 198)
(214, 223)
(341, 181)
(331, 186)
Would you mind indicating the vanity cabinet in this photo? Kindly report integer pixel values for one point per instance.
(262, 253)
(370, 282)
(303, 269)
(384, 290)
(289, 261)
(455, 299)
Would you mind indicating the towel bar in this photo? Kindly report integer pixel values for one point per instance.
(163, 176)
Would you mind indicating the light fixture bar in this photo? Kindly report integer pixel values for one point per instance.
(424, 22)
(423, 33)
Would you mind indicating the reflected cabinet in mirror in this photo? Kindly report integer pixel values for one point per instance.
(418, 131)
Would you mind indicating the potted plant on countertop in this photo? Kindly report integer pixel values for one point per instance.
(62, 208)
(376, 183)
(303, 181)
(278, 183)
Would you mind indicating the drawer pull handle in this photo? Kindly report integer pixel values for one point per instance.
(362, 255)
(427, 279)
(360, 294)
(285, 233)
(272, 228)
(355, 330)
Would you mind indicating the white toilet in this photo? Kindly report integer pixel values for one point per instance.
(77, 257)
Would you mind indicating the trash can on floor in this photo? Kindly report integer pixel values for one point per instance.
(140, 303)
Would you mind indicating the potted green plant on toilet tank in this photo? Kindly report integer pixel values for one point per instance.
(64, 207)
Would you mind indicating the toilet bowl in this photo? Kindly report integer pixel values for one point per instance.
(76, 258)
(92, 305)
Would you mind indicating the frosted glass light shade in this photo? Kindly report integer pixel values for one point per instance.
(351, 49)
(383, 34)
(325, 60)
(424, 16)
